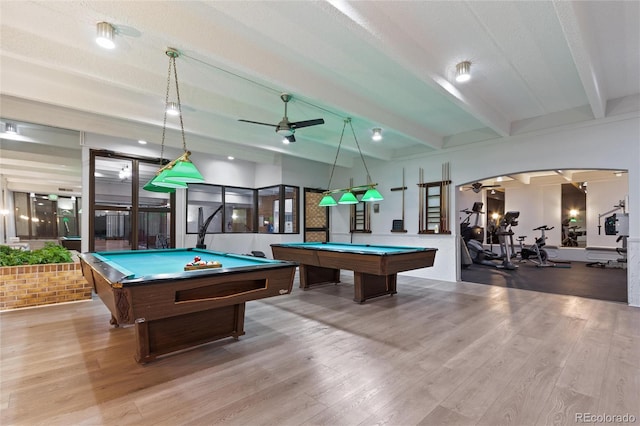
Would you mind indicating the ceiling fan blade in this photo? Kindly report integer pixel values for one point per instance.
(306, 123)
(257, 122)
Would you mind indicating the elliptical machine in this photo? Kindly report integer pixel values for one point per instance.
(473, 235)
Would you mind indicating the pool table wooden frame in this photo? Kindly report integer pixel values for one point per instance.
(187, 309)
(375, 274)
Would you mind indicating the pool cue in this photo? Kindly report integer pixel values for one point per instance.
(403, 188)
(420, 200)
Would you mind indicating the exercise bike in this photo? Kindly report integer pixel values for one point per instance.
(535, 253)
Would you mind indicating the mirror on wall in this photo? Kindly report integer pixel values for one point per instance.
(574, 214)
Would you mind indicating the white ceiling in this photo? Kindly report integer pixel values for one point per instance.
(387, 64)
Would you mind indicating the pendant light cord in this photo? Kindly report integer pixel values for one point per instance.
(164, 121)
(337, 152)
(360, 151)
(175, 72)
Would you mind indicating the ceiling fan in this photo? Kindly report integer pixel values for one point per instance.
(478, 186)
(285, 127)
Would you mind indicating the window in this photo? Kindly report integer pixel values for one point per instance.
(272, 201)
(228, 209)
(41, 216)
(204, 208)
(239, 209)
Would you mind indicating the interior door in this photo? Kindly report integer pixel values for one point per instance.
(316, 218)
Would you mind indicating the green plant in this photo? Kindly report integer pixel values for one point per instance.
(50, 253)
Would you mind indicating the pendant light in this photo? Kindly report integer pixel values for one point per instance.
(180, 171)
(348, 197)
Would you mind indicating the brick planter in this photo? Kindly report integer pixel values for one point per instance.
(36, 285)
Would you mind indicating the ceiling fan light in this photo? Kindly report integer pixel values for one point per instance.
(463, 71)
(327, 201)
(284, 131)
(105, 35)
(372, 194)
(348, 198)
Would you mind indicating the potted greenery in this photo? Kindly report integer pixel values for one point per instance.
(40, 277)
(50, 253)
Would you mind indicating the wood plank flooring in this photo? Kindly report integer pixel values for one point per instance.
(436, 353)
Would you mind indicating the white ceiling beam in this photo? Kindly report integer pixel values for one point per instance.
(395, 45)
(572, 21)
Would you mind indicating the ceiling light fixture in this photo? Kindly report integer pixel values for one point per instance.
(377, 134)
(180, 171)
(105, 35)
(11, 128)
(463, 71)
(348, 197)
(172, 109)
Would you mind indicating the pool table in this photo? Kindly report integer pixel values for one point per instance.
(174, 309)
(375, 267)
(71, 243)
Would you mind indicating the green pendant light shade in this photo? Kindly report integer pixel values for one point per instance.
(327, 201)
(372, 194)
(348, 198)
(184, 171)
(164, 180)
(152, 187)
(161, 183)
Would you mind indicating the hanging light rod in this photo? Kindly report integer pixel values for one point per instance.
(371, 194)
(351, 189)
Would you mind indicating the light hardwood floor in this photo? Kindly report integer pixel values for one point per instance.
(437, 353)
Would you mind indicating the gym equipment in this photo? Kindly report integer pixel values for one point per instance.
(616, 224)
(569, 234)
(535, 253)
(473, 235)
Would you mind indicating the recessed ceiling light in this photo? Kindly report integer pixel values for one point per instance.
(230, 158)
(142, 142)
(377, 134)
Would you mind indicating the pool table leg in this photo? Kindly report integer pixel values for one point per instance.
(311, 275)
(368, 286)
